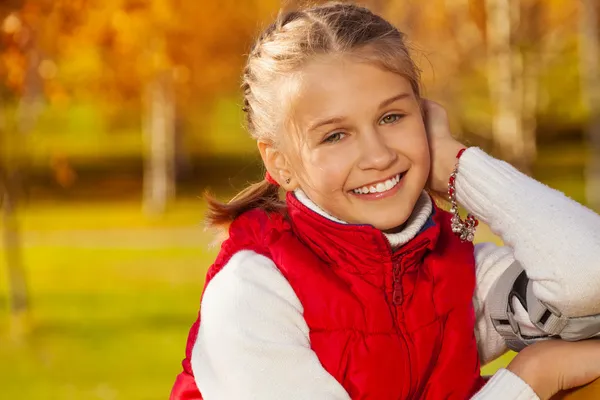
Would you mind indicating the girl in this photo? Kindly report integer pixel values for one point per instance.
(358, 285)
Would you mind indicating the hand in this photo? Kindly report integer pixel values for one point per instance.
(443, 147)
(551, 366)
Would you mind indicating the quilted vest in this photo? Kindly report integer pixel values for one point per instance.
(386, 324)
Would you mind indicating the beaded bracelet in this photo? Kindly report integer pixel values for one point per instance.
(465, 230)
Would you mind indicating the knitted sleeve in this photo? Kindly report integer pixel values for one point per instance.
(555, 239)
(253, 341)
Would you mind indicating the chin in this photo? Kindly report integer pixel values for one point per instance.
(388, 224)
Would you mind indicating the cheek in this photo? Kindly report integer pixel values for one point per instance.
(421, 156)
(412, 141)
(426, 164)
(327, 170)
(424, 153)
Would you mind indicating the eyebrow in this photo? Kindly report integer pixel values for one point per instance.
(391, 100)
(337, 120)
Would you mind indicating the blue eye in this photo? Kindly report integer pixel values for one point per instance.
(334, 137)
(390, 119)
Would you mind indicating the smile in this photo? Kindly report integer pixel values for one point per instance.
(380, 187)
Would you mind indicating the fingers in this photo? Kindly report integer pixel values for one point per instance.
(432, 106)
(434, 114)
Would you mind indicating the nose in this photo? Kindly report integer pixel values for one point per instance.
(376, 152)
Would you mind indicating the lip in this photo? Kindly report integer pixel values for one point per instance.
(388, 193)
(374, 183)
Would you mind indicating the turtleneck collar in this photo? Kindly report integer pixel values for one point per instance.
(418, 220)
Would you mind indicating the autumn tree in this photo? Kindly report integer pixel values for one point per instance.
(171, 58)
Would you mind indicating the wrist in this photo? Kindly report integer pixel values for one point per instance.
(530, 372)
(448, 162)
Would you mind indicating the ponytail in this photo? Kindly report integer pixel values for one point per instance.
(262, 195)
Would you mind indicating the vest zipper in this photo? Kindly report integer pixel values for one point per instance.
(397, 295)
(397, 288)
(397, 300)
(396, 304)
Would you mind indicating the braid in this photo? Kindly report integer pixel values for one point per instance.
(247, 108)
(268, 35)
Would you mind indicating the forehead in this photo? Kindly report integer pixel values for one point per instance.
(341, 86)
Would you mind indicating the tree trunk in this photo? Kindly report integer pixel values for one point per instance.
(159, 134)
(527, 71)
(529, 103)
(590, 78)
(507, 129)
(467, 43)
(11, 192)
(13, 185)
(17, 282)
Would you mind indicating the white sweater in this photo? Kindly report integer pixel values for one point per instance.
(253, 341)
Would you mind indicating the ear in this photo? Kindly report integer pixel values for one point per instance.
(277, 165)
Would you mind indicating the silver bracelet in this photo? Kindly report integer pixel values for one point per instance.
(465, 230)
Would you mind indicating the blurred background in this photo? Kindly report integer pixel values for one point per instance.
(116, 115)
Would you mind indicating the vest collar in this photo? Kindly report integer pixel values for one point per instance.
(419, 220)
(362, 248)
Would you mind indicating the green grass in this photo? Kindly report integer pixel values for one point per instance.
(113, 295)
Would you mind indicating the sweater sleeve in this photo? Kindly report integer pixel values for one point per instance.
(253, 341)
(555, 239)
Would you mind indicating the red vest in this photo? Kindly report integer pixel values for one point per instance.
(385, 324)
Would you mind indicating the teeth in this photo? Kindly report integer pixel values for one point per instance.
(380, 187)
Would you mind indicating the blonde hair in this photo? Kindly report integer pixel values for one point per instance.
(292, 41)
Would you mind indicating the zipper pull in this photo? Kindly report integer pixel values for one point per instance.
(397, 295)
(397, 292)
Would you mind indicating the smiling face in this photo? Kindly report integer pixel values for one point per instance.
(358, 146)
